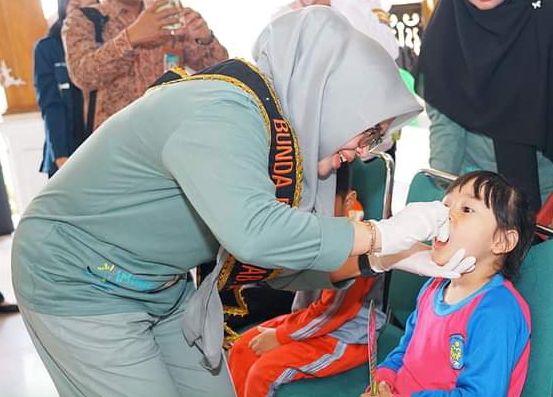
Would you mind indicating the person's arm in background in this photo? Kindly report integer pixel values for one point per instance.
(49, 98)
(93, 67)
(201, 47)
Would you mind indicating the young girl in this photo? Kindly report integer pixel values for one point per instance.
(469, 336)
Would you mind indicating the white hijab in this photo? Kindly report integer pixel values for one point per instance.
(333, 83)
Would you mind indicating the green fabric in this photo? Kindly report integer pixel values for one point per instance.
(112, 231)
(348, 384)
(402, 297)
(456, 150)
(535, 286)
(388, 340)
(369, 181)
(127, 355)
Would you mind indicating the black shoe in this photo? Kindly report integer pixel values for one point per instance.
(11, 308)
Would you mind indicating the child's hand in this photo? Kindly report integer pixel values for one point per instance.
(265, 341)
(384, 390)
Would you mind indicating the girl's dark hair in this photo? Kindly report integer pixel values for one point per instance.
(510, 208)
(55, 29)
(343, 180)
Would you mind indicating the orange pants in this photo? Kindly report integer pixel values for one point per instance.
(260, 376)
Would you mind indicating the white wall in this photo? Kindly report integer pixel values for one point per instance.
(21, 137)
(236, 23)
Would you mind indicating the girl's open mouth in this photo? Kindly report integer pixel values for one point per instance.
(439, 244)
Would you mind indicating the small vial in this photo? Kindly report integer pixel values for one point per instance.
(172, 4)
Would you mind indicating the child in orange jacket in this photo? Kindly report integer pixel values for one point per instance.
(324, 339)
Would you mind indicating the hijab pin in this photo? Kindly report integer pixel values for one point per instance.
(536, 4)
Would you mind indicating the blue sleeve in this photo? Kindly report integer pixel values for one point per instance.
(497, 335)
(49, 99)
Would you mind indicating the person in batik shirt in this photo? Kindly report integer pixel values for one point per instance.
(136, 46)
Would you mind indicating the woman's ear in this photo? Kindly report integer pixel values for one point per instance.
(505, 242)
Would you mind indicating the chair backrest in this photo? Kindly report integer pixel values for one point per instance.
(534, 285)
(373, 182)
(426, 185)
(429, 185)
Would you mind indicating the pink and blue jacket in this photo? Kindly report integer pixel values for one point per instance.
(477, 347)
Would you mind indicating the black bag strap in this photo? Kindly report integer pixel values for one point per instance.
(99, 20)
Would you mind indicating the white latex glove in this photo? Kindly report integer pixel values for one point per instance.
(422, 264)
(416, 222)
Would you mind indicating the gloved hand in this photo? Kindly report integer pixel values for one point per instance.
(422, 264)
(416, 222)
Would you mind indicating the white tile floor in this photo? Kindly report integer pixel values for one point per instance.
(22, 374)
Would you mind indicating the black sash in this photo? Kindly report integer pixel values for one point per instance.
(285, 169)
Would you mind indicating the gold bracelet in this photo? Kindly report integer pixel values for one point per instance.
(372, 228)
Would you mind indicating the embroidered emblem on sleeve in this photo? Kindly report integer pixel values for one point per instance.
(457, 351)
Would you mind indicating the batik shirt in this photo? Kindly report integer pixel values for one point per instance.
(118, 71)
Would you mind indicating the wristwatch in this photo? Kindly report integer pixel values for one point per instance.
(364, 266)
